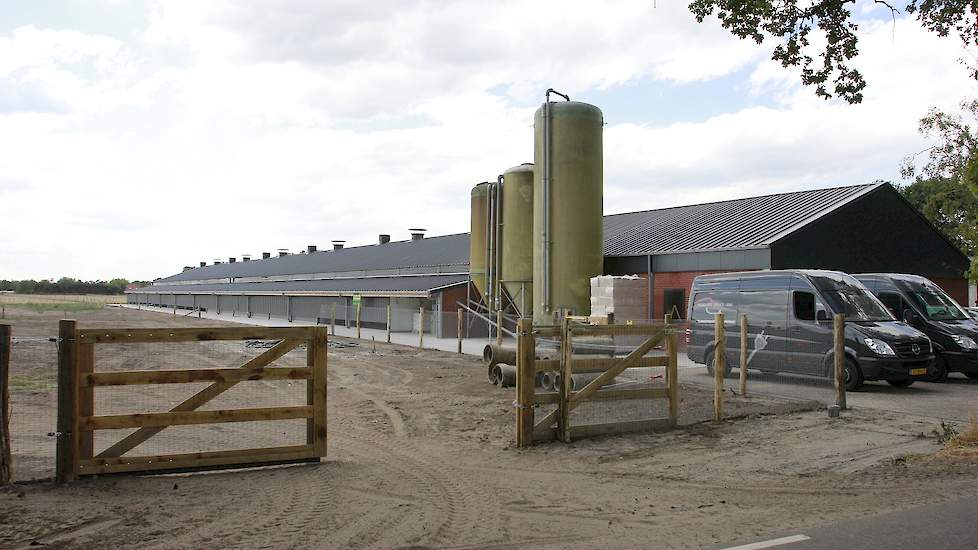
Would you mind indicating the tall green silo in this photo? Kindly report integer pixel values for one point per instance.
(568, 189)
(517, 239)
(477, 236)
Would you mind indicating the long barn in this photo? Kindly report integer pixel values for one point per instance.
(862, 228)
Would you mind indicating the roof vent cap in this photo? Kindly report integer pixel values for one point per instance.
(338, 245)
(417, 234)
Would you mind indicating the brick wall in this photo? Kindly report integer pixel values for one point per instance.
(956, 288)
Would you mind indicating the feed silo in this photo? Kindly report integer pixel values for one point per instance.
(568, 188)
(477, 239)
(517, 237)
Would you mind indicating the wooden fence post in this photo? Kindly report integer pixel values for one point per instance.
(332, 324)
(6, 461)
(85, 361)
(525, 380)
(358, 321)
(499, 327)
(388, 322)
(459, 330)
(839, 334)
(719, 364)
(743, 355)
(672, 377)
(421, 329)
(66, 462)
(311, 391)
(319, 408)
(566, 381)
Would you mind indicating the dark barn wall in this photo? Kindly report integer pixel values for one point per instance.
(878, 232)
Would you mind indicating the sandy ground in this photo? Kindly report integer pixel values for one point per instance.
(421, 456)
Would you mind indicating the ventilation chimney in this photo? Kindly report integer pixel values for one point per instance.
(202, 264)
(266, 255)
(311, 248)
(217, 262)
(232, 260)
(283, 251)
(417, 234)
(187, 268)
(338, 245)
(384, 238)
(246, 257)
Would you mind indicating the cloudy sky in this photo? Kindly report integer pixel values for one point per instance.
(140, 136)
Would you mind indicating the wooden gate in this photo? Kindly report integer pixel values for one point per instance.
(78, 420)
(556, 423)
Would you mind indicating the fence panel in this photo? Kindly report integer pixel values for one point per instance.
(108, 408)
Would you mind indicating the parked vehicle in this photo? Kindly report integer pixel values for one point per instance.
(790, 327)
(973, 311)
(925, 306)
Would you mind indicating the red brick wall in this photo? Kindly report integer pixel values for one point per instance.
(956, 288)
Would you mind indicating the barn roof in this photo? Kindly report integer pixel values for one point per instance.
(413, 285)
(753, 222)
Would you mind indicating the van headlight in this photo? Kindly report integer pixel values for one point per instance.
(964, 342)
(879, 347)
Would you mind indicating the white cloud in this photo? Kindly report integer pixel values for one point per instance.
(221, 129)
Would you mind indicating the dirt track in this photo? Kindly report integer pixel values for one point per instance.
(420, 457)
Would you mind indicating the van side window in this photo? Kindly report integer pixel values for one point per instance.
(804, 305)
(893, 302)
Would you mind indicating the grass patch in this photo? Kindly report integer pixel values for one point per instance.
(964, 442)
(42, 307)
(31, 384)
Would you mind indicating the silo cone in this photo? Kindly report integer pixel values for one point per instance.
(477, 237)
(575, 207)
(517, 240)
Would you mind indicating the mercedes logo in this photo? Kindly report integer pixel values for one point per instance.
(915, 349)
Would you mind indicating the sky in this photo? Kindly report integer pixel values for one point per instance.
(137, 137)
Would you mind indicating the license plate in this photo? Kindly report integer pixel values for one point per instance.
(918, 372)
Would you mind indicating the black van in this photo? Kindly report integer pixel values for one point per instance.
(790, 326)
(926, 307)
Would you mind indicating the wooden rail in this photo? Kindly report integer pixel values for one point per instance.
(556, 424)
(78, 378)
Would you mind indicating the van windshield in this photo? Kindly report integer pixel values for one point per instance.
(846, 295)
(934, 303)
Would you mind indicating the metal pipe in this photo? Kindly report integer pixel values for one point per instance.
(545, 180)
(499, 234)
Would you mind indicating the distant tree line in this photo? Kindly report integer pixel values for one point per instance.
(67, 285)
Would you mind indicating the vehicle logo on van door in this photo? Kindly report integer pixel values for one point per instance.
(915, 349)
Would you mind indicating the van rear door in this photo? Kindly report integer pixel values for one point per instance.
(765, 301)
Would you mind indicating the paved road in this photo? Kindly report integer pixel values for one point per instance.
(947, 526)
(956, 400)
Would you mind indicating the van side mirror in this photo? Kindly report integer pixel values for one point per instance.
(822, 315)
(909, 316)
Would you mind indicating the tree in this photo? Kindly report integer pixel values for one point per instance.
(950, 206)
(791, 23)
(946, 190)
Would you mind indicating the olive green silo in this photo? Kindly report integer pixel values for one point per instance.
(517, 240)
(568, 188)
(477, 237)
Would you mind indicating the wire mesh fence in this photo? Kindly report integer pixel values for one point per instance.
(33, 406)
(33, 400)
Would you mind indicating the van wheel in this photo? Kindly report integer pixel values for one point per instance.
(937, 372)
(709, 366)
(900, 383)
(852, 375)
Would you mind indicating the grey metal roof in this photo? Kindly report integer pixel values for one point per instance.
(753, 222)
(433, 251)
(417, 284)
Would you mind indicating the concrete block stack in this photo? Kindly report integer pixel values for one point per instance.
(622, 296)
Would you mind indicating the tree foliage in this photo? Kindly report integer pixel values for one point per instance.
(65, 285)
(791, 23)
(946, 190)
